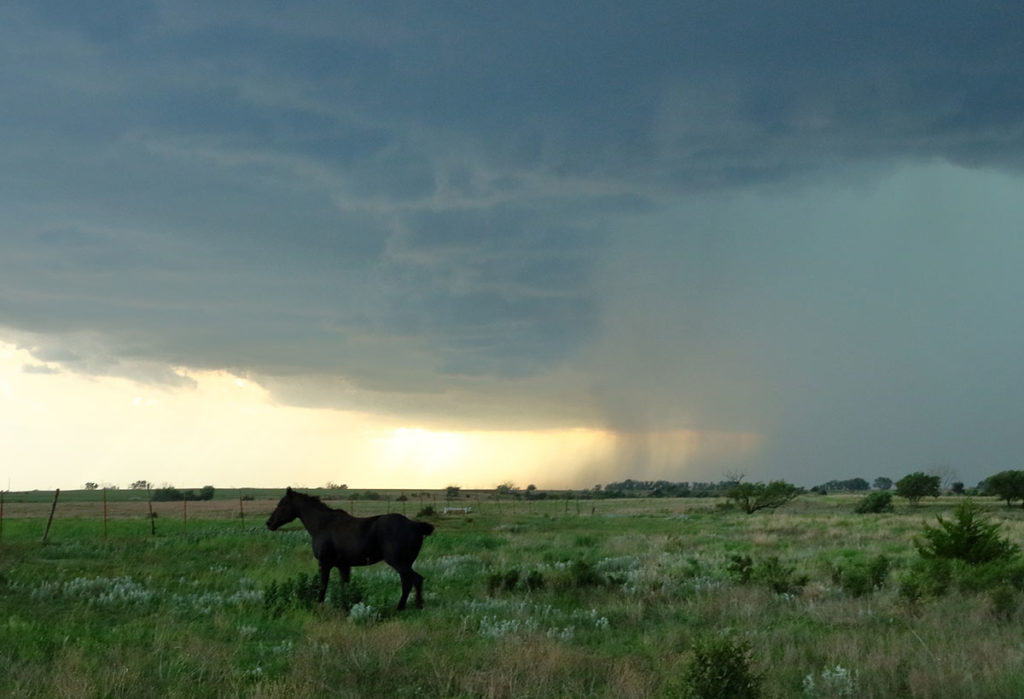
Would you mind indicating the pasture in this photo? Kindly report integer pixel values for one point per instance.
(545, 598)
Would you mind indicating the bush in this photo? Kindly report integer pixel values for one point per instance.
(721, 668)
(860, 579)
(427, 511)
(1005, 602)
(582, 574)
(779, 577)
(873, 503)
(740, 567)
(969, 537)
(498, 581)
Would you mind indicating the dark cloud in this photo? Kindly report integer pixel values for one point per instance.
(681, 215)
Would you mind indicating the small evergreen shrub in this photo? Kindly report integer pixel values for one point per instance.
(970, 537)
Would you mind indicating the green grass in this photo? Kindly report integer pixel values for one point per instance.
(616, 602)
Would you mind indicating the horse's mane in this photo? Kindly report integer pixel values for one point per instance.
(312, 500)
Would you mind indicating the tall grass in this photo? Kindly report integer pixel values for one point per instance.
(606, 605)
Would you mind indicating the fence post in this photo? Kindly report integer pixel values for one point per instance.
(241, 510)
(46, 534)
(152, 519)
(104, 513)
(1, 514)
(184, 514)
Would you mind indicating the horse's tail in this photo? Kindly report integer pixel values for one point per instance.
(425, 528)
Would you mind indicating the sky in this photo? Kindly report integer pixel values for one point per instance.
(425, 244)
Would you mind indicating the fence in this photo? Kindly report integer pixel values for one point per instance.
(123, 506)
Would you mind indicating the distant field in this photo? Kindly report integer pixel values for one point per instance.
(547, 598)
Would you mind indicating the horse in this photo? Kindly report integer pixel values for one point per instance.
(342, 541)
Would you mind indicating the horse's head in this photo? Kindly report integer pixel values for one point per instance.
(285, 511)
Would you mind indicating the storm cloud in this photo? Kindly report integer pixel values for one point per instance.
(796, 220)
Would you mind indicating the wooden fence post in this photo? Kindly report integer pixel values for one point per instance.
(46, 534)
(152, 519)
(184, 514)
(241, 510)
(1, 514)
(104, 513)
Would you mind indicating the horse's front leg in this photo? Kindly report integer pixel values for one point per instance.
(325, 575)
(346, 572)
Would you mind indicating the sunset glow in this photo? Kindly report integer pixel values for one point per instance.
(62, 430)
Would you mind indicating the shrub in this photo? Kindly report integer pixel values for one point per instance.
(535, 580)
(498, 581)
(740, 567)
(1004, 602)
(427, 511)
(860, 579)
(969, 537)
(778, 576)
(873, 503)
(721, 668)
(582, 574)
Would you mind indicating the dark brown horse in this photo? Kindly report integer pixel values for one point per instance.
(342, 541)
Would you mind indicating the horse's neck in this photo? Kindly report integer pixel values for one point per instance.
(315, 516)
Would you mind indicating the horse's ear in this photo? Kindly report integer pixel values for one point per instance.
(288, 490)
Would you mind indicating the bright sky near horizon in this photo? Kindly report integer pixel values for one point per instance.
(421, 244)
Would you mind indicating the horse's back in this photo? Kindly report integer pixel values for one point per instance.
(397, 538)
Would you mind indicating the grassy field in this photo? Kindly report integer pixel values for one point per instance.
(541, 599)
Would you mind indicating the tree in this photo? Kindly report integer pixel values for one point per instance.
(452, 491)
(91, 486)
(507, 488)
(752, 497)
(882, 483)
(1007, 485)
(917, 485)
(140, 485)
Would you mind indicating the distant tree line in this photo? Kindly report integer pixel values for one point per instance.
(630, 488)
(853, 485)
(171, 494)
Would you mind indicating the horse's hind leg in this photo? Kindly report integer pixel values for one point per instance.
(410, 579)
(419, 589)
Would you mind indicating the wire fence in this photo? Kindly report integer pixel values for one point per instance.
(114, 508)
